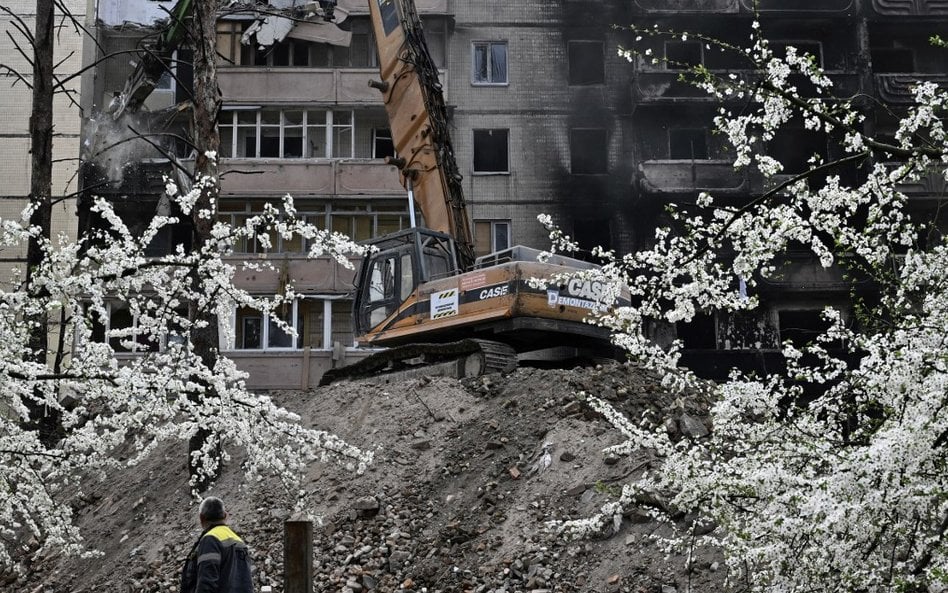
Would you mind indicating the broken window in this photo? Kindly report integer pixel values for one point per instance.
(586, 63)
(680, 55)
(794, 147)
(801, 326)
(382, 144)
(590, 233)
(489, 62)
(886, 60)
(491, 236)
(700, 333)
(491, 151)
(687, 144)
(589, 151)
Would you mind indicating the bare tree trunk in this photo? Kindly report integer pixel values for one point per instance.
(41, 184)
(207, 100)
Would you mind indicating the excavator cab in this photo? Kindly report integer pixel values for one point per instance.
(390, 274)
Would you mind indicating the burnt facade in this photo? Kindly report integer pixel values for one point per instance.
(546, 118)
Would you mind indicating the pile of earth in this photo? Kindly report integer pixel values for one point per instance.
(467, 474)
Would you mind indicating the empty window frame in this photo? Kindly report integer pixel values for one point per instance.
(382, 143)
(586, 63)
(489, 63)
(892, 60)
(681, 55)
(491, 236)
(687, 144)
(589, 151)
(491, 151)
(287, 133)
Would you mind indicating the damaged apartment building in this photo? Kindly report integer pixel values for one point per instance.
(545, 118)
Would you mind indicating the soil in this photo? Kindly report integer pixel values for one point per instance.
(466, 475)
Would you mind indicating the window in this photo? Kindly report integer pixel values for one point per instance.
(167, 80)
(794, 147)
(491, 236)
(256, 330)
(287, 133)
(122, 329)
(491, 151)
(586, 63)
(892, 60)
(489, 63)
(802, 326)
(382, 144)
(681, 55)
(687, 144)
(589, 151)
(358, 221)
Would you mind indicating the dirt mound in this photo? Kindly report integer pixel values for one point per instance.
(467, 474)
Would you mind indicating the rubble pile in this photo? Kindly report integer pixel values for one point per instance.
(467, 475)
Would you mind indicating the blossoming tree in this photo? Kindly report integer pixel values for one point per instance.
(110, 411)
(830, 476)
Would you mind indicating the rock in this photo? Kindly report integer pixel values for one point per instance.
(566, 457)
(691, 427)
(514, 472)
(576, 490)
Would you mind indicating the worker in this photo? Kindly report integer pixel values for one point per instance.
(219, 561)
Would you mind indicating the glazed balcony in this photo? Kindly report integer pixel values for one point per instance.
(689, 176)
(309, 177)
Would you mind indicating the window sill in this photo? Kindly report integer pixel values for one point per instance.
(490, 84)
(489, 173)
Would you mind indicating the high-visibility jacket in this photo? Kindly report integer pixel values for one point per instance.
(218, 563)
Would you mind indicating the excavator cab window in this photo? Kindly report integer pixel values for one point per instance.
(390, 281)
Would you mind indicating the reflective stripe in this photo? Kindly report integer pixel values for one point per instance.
(209, 557)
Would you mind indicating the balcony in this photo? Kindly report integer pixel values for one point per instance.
(360, 7)
(889, 8)
(305, 177)
(795, 7)
(896, 89)
(302, 86)
(679, 6)
(931, 186)
(802, 7)
(307, 275)
(664, 87)
(677, 176)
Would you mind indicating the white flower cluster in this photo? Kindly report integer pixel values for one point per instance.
(830, 476)
(112, 414)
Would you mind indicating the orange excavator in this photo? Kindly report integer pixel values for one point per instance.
(421, 292)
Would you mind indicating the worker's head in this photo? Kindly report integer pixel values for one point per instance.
(212, 512)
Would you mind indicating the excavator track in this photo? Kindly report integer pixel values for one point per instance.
(464, 358)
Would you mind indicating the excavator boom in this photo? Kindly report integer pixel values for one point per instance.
(419, 121)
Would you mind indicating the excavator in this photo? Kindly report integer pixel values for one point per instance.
(421, 294)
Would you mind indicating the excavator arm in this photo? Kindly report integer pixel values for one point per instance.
(419, 122)
(152, 62)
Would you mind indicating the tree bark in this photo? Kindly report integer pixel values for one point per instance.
(207, 100)
(42, 417)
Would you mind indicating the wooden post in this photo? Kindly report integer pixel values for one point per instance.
(297, 556)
